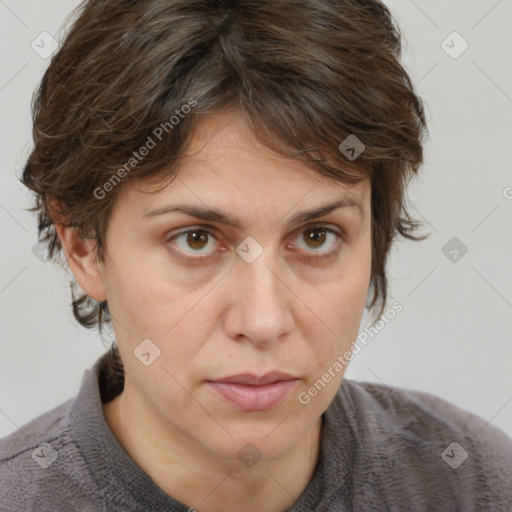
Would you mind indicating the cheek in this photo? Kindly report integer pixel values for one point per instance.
(339, 308)
(147, 303)
(134, 295)
(137, 308)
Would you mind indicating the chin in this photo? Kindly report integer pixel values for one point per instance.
(248, 445)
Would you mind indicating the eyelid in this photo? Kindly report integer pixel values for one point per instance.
(208, 229)
(338, 232)
(327, 226)
(321, 255)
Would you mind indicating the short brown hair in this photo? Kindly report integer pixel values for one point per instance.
(306, 74)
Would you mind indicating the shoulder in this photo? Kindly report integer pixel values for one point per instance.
(423, 413)
(47, 426)
(432, 444)
(41, 466)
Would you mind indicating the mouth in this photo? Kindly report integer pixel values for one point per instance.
(249, 392)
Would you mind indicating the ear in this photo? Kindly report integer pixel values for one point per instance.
(82, 261)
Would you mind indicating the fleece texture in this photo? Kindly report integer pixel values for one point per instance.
(383, 448)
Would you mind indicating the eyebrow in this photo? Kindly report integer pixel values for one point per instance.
(222, 217)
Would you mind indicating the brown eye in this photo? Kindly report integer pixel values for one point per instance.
(318, 242)
(195, 241)
(315, 237)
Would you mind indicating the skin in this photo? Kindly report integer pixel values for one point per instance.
(222, 316)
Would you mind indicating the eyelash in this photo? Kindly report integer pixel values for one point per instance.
(308, 257)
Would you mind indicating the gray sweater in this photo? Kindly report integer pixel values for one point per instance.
(383, 448)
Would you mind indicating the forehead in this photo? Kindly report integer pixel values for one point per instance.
(224, 164)
(229, 132)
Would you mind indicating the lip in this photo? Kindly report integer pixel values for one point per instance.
(249, 392)
(256, 380)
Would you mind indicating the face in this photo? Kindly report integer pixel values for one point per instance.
(252, 289)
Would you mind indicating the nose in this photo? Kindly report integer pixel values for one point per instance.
(261, 305)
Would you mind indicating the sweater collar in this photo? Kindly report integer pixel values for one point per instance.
(125, 485)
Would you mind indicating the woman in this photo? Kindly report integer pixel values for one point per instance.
(225, 180)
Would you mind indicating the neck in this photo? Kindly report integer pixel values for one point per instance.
(196, 477)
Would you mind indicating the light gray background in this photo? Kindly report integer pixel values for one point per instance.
(453, 337)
